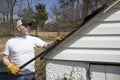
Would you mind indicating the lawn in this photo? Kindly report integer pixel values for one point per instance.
(40, 66)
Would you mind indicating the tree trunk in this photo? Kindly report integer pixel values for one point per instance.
(77, 11)
(36, 33)
(11, 7)
(11, 21)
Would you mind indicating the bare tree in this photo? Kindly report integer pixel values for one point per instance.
(4, 10)
(11, 8)
(71, 13)
(29, 2)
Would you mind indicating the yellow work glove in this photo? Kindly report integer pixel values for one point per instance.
(13, 69)
(59, 38)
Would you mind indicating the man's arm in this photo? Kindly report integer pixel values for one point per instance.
(13, 68)
(6, 60)
(47, 44)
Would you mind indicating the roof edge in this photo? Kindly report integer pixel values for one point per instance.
(114, 3)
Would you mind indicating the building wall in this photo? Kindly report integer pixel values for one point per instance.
(72, 70)
(65, 70)
(105, 72)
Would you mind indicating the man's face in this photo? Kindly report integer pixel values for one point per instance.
(23, 29)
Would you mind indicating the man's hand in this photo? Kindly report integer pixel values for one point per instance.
(13, 69)
(59, 38)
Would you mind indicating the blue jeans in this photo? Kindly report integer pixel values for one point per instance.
(29, 76)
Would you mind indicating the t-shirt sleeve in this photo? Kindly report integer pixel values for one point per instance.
(7, 48)
(39, 42)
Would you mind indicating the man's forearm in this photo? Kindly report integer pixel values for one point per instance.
(6, 60)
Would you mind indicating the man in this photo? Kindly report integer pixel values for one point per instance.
(20, 49)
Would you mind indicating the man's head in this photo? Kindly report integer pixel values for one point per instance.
(22, 22)
(23, 27)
